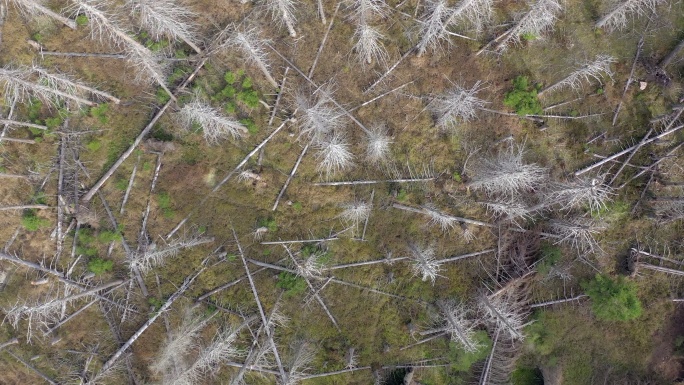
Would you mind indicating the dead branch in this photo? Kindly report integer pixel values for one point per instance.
(129, 187)
(289, 177)
(281, 89)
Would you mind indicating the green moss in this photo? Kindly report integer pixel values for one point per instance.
(550, 255)
(107, 236)
(100, 266)
(297, 206)
(54, 122)
(523, 98)
(160, 134)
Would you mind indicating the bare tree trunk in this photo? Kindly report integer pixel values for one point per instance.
(85, 54)
(24, 207)
(377, 181)
(280, 95)
(325, 37)
(564, 300)
(22, 124)
(13, 341)
(289, 177)
(129, 187)
(640, 45)
(33, 369)
(668, 59)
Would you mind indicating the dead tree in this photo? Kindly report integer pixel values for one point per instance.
(165, 19)
(21, 83)
(155, 256)
(617, 18)
(500, 363)
(472, 13)
(33, 8)
(581, 192)
(249, 42)
(597, 70)
(433, 28)
(105, 26)
(506, 174)
(578, 233)
(506, 310)
(282, 12)
(539, 19)
(368, 46)
(425, 264)
(42, 313)
(458, 105)
(222, 348)
(215, 127)
(455, 320)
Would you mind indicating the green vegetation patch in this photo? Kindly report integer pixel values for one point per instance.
(292, 284)
(32, 222)
(613, 299)
(523, 98)
(99, 266)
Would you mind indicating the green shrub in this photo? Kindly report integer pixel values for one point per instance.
(53, 122)
(292, 284)
(527, 376)
(100, 112)
(550, 255)
(164, 203)
(268, 223)
(249, 97)
(523, 98)
(32, 222)
(251, 126)
(162, 96)
(297, 206)
(107, 236)
(229, 77)
(100, 266)
(94, 145)
(613, 300)
(81, 20)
